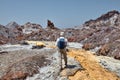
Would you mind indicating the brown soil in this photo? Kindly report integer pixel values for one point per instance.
(92, 69)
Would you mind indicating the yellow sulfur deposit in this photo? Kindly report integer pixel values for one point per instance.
(36, 43)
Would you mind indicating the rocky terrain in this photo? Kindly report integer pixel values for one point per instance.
(100, 36)
(21, 62)
(105, 35)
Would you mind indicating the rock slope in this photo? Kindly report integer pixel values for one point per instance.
(20, 62)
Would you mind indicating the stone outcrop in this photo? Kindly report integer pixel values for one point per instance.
(15, 33)
(104, 50)
(31, 27)
(50, 25)
(88, 46)
(3, 34)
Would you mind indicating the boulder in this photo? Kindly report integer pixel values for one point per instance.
(104, 50)
(88, 46)
(116, 54)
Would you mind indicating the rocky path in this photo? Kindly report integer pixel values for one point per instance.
(92, 69)
(44, 64)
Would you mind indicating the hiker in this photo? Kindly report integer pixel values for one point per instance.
(61, 43)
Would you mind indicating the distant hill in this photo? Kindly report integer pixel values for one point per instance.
(111, 18)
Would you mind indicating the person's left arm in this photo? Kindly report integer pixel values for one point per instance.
(66, 41)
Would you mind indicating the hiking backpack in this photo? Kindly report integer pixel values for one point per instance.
(61, 43)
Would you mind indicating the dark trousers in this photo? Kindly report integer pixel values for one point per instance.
(64, 54)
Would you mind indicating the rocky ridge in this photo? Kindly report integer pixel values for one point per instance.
(112, 18)
(101, 35)
(106, 34)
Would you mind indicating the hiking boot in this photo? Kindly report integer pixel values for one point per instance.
(66, 66)
(61, 69)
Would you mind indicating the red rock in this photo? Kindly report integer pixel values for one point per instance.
(104, 50)
(71, 39)
(15, 76)
(88, 46)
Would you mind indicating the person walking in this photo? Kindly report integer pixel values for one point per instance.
(61, 43)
